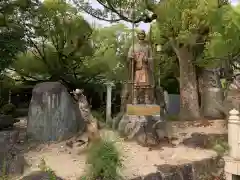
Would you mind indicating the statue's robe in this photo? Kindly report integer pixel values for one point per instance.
(140, 66)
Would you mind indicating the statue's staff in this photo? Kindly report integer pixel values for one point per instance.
(132, 70)
(133, 51)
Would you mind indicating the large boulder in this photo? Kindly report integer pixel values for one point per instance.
(211, 94)
(12, 162)
(53, 114)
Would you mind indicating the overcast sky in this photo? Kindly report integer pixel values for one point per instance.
(143, 26)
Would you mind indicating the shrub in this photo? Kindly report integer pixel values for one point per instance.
(8, 109)
(172, 118)
(104, 161)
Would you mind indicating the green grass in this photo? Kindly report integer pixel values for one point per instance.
(172, 118)
(220, 146)
(103, 161)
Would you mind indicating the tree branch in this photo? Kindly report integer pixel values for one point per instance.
(24, 75)
(96, 13)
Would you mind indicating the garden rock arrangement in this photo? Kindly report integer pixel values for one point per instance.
(182, 162)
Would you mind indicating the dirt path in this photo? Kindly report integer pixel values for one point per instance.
(69, 164)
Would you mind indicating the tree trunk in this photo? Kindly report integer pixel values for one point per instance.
(189, 101)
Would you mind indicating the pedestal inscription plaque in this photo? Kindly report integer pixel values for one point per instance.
(143, 110)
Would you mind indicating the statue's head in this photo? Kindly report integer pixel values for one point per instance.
(141, 35)
(78, 92)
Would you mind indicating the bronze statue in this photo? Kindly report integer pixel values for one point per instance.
(141, 68)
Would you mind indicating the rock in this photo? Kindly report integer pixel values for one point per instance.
(53, 114)
(141, 129)
(205, 141)
(7, 121)
(211, 93)
(40, 175)
(12, 161)
(197, 170)
(211, 99)
(232, 100)
(116, 120)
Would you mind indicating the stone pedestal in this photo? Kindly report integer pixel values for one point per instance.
(232, 168)
(143, 124)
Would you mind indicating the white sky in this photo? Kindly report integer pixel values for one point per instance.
(143, 26)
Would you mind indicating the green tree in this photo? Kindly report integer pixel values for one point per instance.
(11, 31)
(223, 47)
(59, 44)
(111, 45)
(166, 63)
(12, 39)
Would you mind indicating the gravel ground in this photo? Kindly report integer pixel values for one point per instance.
(69, 163)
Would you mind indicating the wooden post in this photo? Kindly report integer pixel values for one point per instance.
(109, 103)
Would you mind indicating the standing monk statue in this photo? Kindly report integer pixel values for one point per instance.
(141, 70)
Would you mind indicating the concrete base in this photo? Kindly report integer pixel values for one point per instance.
(232, 168)
(143, 129)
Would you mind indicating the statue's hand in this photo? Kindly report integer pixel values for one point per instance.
(131, 58)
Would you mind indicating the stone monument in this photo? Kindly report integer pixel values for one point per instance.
(141, 120)
(53, 115)
(211, 94)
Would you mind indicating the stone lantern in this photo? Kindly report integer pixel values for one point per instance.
(232, 161)
(109, 86)
(234, 134)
